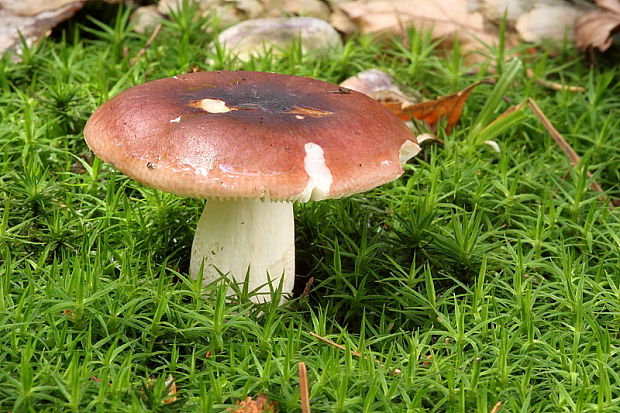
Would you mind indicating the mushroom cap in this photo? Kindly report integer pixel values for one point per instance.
(235, 134)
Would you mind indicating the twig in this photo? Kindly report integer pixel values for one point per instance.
(566, 148)
(304, 394)
(553, 85)
(557, 137)
(307, 288)
(496, 408)
(353, 352)
(148, 43)
(338, 346)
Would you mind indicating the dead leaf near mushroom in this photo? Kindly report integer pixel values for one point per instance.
(381, 87)
(448, 107)
(445, 19)
(170, 387)
(259, 405)
(595, 29)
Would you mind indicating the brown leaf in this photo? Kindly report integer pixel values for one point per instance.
(446, 19)
(496, 408)
(449, 107)
(31, 27)
(549, 22)
(595, 29)
(172, 390)
(611, 5)
(33, 7)
(260, 405)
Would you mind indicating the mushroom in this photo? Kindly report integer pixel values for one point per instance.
(252, 143)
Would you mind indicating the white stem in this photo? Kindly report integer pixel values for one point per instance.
(234, 235)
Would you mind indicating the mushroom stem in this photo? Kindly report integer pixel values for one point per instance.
(236, 235)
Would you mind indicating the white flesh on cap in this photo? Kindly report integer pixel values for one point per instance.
(236, 235)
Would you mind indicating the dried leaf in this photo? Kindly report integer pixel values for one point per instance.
(427, 137)
(449, 107)
(595, 29)
(545, 22)
(446, 19)
(496, 408)
(31, 27)
(33, 7)
(260, 405)
(172, 390)
(610, 5)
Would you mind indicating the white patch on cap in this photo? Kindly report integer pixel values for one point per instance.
(299, 117)
(212, 105)
(320, 177)
(408, 151)
(175, 120)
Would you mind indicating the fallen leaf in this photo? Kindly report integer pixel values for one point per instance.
(31, 27)
(428, 360)
(427, 137)
(496, 408)
(595, 29)
(496, 10)
(172, 389)
(449, 107)
(260, 405)
(446, 19)
(549, 22)
(33, 7)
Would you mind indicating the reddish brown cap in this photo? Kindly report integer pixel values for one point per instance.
(250, 134)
